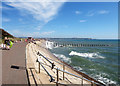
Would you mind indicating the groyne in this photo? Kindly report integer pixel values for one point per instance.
(79, 45)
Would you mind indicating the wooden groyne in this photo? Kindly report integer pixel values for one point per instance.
(80, 45)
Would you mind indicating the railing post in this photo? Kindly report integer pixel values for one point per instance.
(38, 67)
(91, 83)
(82, 81)
(57, 76)
(63, 71)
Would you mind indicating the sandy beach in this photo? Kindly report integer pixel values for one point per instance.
(42, 78)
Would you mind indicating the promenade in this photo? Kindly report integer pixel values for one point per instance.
(15, 56)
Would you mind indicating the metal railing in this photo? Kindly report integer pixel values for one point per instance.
(57, 69)
(47, 60)
(51, 78)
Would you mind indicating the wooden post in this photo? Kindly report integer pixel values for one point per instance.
(38, 67)
(63, 70)
(57, 77)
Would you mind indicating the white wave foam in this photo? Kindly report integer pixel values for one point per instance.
(89, 55)
(78, 68)
(103, 79)
(63, 57)
(49, 44)
(92, 69)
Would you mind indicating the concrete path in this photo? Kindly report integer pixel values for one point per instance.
(14, 56)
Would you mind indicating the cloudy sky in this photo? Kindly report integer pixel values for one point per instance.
(61, 19)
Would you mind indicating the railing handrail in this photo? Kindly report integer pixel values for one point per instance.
(51, 78)
(54, 60)
(47, 60)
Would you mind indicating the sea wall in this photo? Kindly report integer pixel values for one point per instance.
(40, 46)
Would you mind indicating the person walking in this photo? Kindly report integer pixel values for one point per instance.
(7, 43)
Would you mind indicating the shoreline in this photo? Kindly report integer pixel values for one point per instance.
(45, 52)
(83, 74)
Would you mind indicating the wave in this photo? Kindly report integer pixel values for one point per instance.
(78, 68)
(49, 44)
(87, 55)
(63, 57)
(104, 80)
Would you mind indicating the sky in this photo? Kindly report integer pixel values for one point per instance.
(97, 20)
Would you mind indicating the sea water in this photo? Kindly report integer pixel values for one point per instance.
(100, 62)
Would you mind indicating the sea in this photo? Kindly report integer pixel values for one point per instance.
(99, 62)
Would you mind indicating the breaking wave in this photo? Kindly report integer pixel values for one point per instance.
(103, 79)
(63, 57)
(86, 55)
(49, 44)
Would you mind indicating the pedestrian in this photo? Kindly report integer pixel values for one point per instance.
(7, 43)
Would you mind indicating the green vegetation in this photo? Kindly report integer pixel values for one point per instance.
(0, 41)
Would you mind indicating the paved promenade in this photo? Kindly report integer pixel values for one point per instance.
(14, 56)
